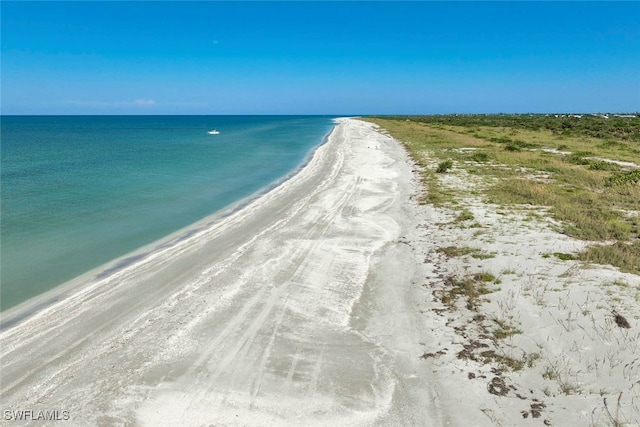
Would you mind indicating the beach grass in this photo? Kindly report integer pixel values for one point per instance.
(583, 172)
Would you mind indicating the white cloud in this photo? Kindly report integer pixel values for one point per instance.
(143, 103)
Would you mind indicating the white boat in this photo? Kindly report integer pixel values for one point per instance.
(213, 132)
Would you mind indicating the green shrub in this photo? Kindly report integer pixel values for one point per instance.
(465, 215)
(444, 166)
(484, 277)
(513, 146)
(619, 229)
(631, 177)
(563, 256)
(602, 166)
(578, 158)
(480, 157)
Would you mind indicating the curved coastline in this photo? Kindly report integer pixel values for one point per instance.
(290, 311)
(14, 315)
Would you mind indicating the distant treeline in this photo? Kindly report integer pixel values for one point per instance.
(625, 127)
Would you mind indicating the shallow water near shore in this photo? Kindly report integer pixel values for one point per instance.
(80, 191)
(273, 311)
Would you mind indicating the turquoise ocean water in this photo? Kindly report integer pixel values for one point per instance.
(79, 191)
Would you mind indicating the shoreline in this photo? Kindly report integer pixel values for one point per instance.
(24, 310)
(340, 299)
(250, 316)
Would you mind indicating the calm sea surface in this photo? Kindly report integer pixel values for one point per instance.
(80, 191)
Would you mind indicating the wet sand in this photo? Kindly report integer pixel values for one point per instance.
(298, 309)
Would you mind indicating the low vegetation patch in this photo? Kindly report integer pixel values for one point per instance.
(564, 257)
(470, 287)
(599, 165)
(465, 215)
(480, 157)
(456, 251)
(622, 178)
(484, 277)
(579, 158)
(444, 166)
(622, 255)
(587, 195)
(612, 129)
(502, 360)
(504, 329)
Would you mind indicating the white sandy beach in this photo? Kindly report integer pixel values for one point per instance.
(319, 304)
(292, 311)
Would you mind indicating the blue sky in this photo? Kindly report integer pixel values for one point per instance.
(319, 58)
